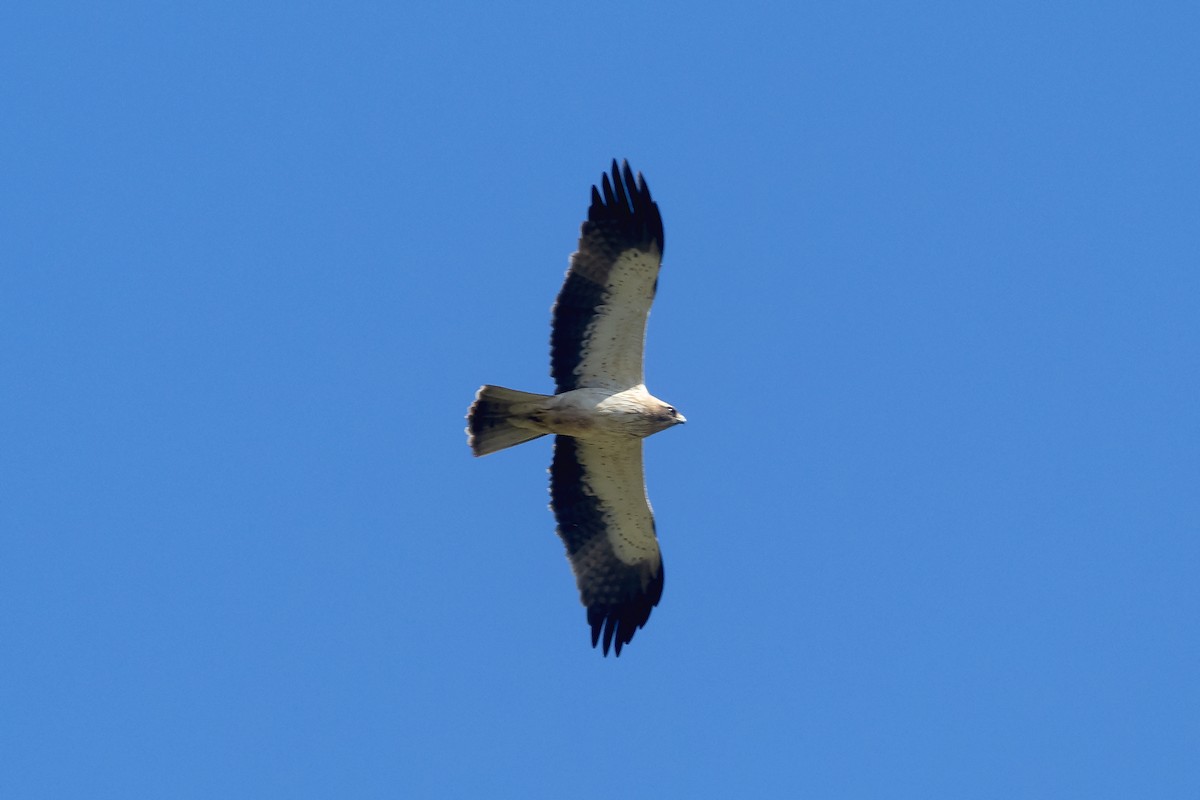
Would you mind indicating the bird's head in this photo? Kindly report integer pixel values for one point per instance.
(668, 416)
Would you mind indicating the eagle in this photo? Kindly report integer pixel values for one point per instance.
(600, 410)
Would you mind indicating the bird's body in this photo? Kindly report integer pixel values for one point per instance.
(593, 413)
(600, 412)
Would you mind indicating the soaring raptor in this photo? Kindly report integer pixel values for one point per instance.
(600, 411)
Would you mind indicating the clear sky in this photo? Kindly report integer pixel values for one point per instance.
(930, 302)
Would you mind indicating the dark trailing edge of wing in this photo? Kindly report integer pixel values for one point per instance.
(623, 217)
(627, 598)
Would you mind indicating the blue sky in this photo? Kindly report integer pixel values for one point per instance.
(930, 303)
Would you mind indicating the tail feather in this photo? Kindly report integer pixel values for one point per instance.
(490, 420)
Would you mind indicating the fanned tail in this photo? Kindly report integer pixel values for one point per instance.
(490, 419)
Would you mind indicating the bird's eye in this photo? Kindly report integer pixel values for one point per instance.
(671, 411)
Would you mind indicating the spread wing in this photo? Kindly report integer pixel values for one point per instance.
(598, 493)
(599, 326)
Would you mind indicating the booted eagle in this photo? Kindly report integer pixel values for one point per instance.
(600, 411)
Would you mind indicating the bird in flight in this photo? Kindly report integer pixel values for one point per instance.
(600, 411)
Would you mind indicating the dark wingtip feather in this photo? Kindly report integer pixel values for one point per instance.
(619, 623)
(628, 173)
(625, 202)
(619, 186)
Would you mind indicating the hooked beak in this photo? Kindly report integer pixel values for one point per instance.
(680, 418)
